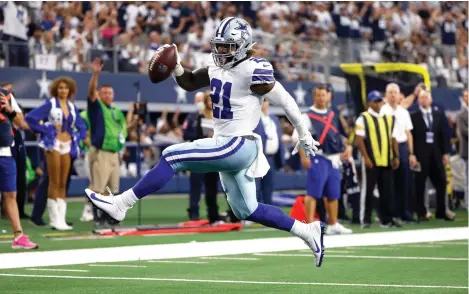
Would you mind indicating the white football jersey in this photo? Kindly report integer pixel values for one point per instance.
(237, 110)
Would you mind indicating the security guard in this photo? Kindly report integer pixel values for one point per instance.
(376, 141)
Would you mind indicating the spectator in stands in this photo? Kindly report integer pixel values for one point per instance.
(402, 176)
(9, 113)
(380, 155)
(154, 44)
(342, 29)
(15, 31)
(271, 134)
(355, 34)
(378, 26)
(462, 126)
(199, 125)
(36, 43)
(108, 134)
(60, 141)
(448, 28)
(431, 147)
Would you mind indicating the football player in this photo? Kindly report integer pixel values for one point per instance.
(239, 83)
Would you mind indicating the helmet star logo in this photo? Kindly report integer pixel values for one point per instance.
(243, 28)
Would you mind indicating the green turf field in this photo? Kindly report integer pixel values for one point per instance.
(160, 211)
(414, 272)
(433, 267)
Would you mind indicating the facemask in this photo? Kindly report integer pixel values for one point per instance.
(200, 106)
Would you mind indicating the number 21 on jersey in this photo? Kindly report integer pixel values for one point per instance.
(220, 94)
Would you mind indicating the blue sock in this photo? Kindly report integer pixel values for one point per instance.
(154, 180)
(272, 216)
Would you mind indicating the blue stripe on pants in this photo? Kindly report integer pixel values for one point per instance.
(212, 154)
(231, 156)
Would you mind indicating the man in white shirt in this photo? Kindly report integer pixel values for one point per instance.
(271, 134)
(403, 175)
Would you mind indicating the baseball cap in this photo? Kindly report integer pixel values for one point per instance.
(374, 96)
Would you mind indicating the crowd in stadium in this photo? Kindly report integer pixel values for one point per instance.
(294, 35)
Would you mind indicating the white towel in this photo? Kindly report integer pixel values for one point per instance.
(260, 166)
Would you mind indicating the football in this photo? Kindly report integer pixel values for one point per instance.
(162, 64)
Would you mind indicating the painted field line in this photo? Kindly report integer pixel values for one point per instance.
(419, 246)
(331, 251)
(230, 258)
(82, 238)
(240, 282)
(451, 243)
(57, 270)
(6, 241)
(164, 235)
(364, 256)
(115, 265)
(178, 261)
(218, 248)
(258, 230)
(379, 248)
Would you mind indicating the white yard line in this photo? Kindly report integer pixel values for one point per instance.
(258, 230)
(230, 258)
(218, 248)
(364, 256)
(419, 246)
(164, 235)
(452, 243)
(57, 270)
(92, 237)
(379, 248)
(116, 265)
(178, 261)
(331, 251)
(240, 282)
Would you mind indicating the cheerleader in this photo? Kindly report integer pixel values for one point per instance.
(61, 129)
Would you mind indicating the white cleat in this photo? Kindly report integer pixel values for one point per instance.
(337, 229)
(315, 241)
(107, 204)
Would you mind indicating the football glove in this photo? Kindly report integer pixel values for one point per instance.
(308, 144)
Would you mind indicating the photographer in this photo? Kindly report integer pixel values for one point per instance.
(199, 125)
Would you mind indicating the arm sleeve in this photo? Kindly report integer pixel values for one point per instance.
(294, 136)
(280, 97)
(34, 117)
(80, 125)
(360, 127)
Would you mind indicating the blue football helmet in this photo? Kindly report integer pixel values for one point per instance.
(232, 41)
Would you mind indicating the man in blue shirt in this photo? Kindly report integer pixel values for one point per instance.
(324, 178)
